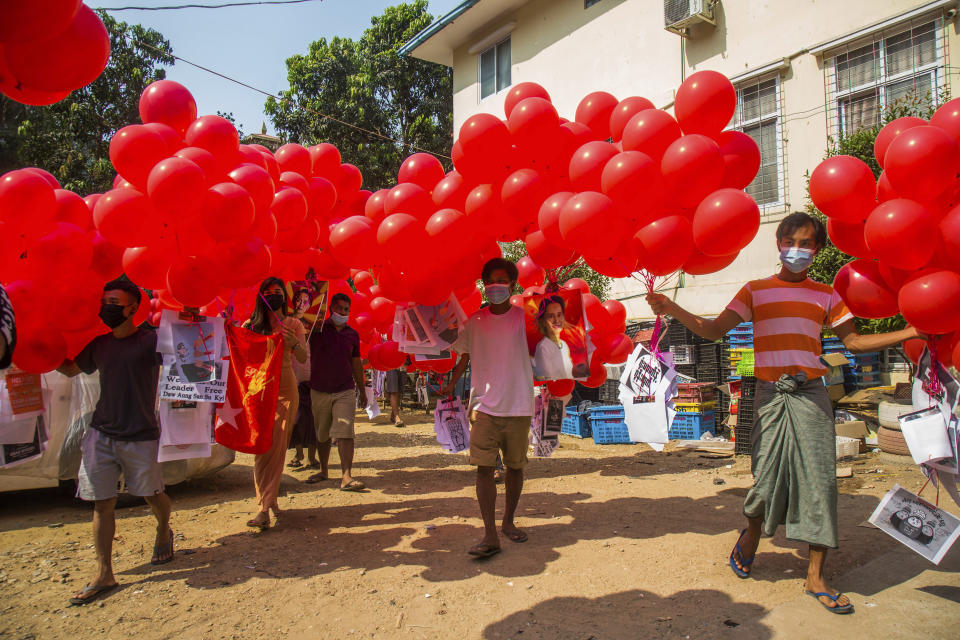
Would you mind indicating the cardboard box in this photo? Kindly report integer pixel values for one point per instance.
(836, 392)
(835, 363)
(855, 429)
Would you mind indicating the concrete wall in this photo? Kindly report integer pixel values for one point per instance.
(621, 46)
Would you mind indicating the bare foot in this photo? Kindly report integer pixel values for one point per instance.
(514, 534)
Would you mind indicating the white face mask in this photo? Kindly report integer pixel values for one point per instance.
(338, 319)
(497, 293)
(796, 259)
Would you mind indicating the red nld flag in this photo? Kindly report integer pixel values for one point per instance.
(245, 421)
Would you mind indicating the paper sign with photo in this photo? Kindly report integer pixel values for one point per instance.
(557, 335)
(308, 299)
(916, 523)
(429, 329)
(195, 344)
(949, 387)
(182, 383)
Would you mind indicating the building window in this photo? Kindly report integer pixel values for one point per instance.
(589, 3)
(495, 68)
(902, 68)
(758, 116)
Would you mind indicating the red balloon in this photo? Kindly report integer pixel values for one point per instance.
(134, 150)
(421, 169)
(578, 284)
(148, 266)
(921, 162)
(949, 229)
(300, 238)
(36, 20)
(205, 160)
(451, 192)
(947, 117)
(106, 261)
(618, 313)
(168, 102)
(587, 163)
(190, 280)
(520, 92)
(914, 349)
(126, 218)
(530, 274)
(617, 348)
(621, 114)
(321, 197)
(725, 222)
(634, 182)
(325, 265)
(294, 157)
(547, 254)
(170, 137)
(741, 159)
(848, 237)
(39, 349)
(548, 217)
(583, 216)
(326, 160)
(46, 175)
(218, 136)
(699, 264)
(899, 233)
(843, 187)
(890, 131)
(598, 373)
(485, 213)
(931, 302)
(411, 199)
(228, 212)
(664, 245)
(348, 179)
(595, 111)
(560, 388)
(597, 315)
(373, 207)
(245, 263)
(522, 193)
(177, 185)
(692, 168)
(382, 310)
(63, 251)
(258, 183)
(249, 154)
(533, 121)
(296, 181)
(353, 242)
(861, 286)
(391, 356)
(63, 61)
(27, 202)
(619, 265)
(450, 234)
(955, 356)
(485, 141)
(650, 131)
(705, 103)
(290, 208)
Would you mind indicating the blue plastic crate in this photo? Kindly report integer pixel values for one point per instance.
(610, 431)
(576, 425)
(607, 411)
(690, 427)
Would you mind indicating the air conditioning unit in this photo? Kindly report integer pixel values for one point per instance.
(680, 15)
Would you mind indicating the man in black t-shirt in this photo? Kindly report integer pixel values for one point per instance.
(124, 434)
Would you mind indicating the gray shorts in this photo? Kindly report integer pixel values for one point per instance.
(105, 459)
(393, 381)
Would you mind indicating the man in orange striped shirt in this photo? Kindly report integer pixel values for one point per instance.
(793, 436)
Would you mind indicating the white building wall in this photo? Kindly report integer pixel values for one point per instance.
(620, 46)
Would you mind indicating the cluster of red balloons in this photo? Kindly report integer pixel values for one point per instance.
(903, 228)
(49, 48)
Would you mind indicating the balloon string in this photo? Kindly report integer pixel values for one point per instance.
(932, 387)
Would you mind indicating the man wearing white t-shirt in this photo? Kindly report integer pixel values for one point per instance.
(494, 343)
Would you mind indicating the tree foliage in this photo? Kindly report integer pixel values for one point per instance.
(859, 144)
(366, 84)
(70, 138)
(599, 284)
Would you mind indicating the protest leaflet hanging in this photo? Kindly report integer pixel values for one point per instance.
(246, 418)
(192, 348)
(309, 297)
(557, 335)
(646, 385)
(22, 401)
(18, 453)
(916, 523)
(428, 331)
(186, 429)
(546, 424)
(451, 425)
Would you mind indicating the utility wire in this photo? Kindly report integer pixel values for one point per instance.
(275, 97)
(206, 6)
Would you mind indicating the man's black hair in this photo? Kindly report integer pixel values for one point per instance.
(339, 296)
(122, 284)
(799, 220)
(499, 263)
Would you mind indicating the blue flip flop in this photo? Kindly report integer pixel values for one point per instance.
(836, 608)
(746, 563)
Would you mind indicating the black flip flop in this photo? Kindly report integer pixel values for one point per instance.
(96, 591)
(837, 608)
(315, 478)
(294, 464)
(517, 536)
(483, 550)
(354, 485)
(159, 550)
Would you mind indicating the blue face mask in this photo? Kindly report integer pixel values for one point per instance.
(497, 293)
(796, 259)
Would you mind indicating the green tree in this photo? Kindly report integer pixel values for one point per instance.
(860, 145)
(70, 139)
(599, 284)
(408, 102)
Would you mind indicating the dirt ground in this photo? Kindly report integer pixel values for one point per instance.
(624, 543)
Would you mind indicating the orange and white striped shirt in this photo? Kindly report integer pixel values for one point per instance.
(788, 318)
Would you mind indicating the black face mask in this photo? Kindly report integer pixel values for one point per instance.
(275, 300)
(112, 315)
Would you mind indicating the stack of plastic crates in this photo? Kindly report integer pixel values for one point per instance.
(738, 341)
(696, 406)
(710, 363)
(609, 391)
(866, 370)
(576, 423)
(746, 412)
(607, 425)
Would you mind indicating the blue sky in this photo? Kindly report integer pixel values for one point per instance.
(248, 43)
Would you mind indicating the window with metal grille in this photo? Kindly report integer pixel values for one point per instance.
(758, 116)
(495, 68)
(901, 67)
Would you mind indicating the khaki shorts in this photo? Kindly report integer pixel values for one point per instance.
(333, 414)
(490, 434)
(105, 459)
